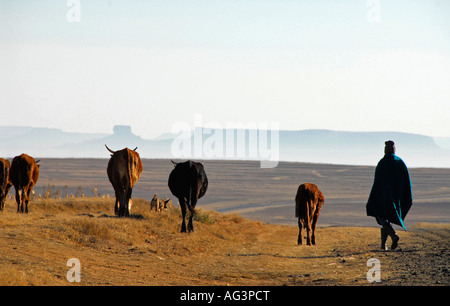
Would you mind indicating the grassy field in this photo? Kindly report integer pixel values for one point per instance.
(225, 249)
(260, 194)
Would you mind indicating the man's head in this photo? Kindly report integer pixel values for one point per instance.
(390, 147)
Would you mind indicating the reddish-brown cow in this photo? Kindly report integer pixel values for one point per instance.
(5, 183)
(308, 202)
(124, 170)
(23, 175)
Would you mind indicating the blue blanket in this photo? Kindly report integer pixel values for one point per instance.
(391, 196)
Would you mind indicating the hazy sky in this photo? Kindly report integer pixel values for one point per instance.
(84, 66)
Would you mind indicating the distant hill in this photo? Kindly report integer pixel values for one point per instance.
(360, 148)
(39, 141)
(316, 146)
(443, 142)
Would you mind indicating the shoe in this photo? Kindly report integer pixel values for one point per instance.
(395, 240)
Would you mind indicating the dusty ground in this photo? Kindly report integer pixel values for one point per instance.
(147, 249)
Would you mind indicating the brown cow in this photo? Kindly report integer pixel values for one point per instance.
(23, 175)
(5, 183)
(124, 170)
(308, 202)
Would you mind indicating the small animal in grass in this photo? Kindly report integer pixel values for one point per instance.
(159, 204)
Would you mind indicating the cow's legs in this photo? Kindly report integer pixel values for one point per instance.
(27, 198)
(127, 200)
(191, 219)
(308, 236)
(191, 222)
(313, 235)
(116, 205)
(191, 205)
(300, 225)
(309, 221)
(18, 198)
(123, 203)
(183, 214)
(2, 199)
(4, 196)
(313, 229)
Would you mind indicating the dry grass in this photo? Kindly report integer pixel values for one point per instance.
(147, 249)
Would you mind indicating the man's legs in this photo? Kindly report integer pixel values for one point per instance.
(386, 230)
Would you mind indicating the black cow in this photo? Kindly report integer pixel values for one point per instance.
(188, 182)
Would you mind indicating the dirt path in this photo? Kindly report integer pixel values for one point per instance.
(148, 249)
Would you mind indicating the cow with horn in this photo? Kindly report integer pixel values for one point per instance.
(188, 182)
(124, 170)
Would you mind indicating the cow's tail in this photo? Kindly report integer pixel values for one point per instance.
(3, 173)
(192, 201)
(309, 212)
(302, 210)
(193, 189)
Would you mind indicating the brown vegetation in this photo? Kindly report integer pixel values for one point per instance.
(147, 249)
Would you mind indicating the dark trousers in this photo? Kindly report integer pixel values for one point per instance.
(386, 230)
(385, 224)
